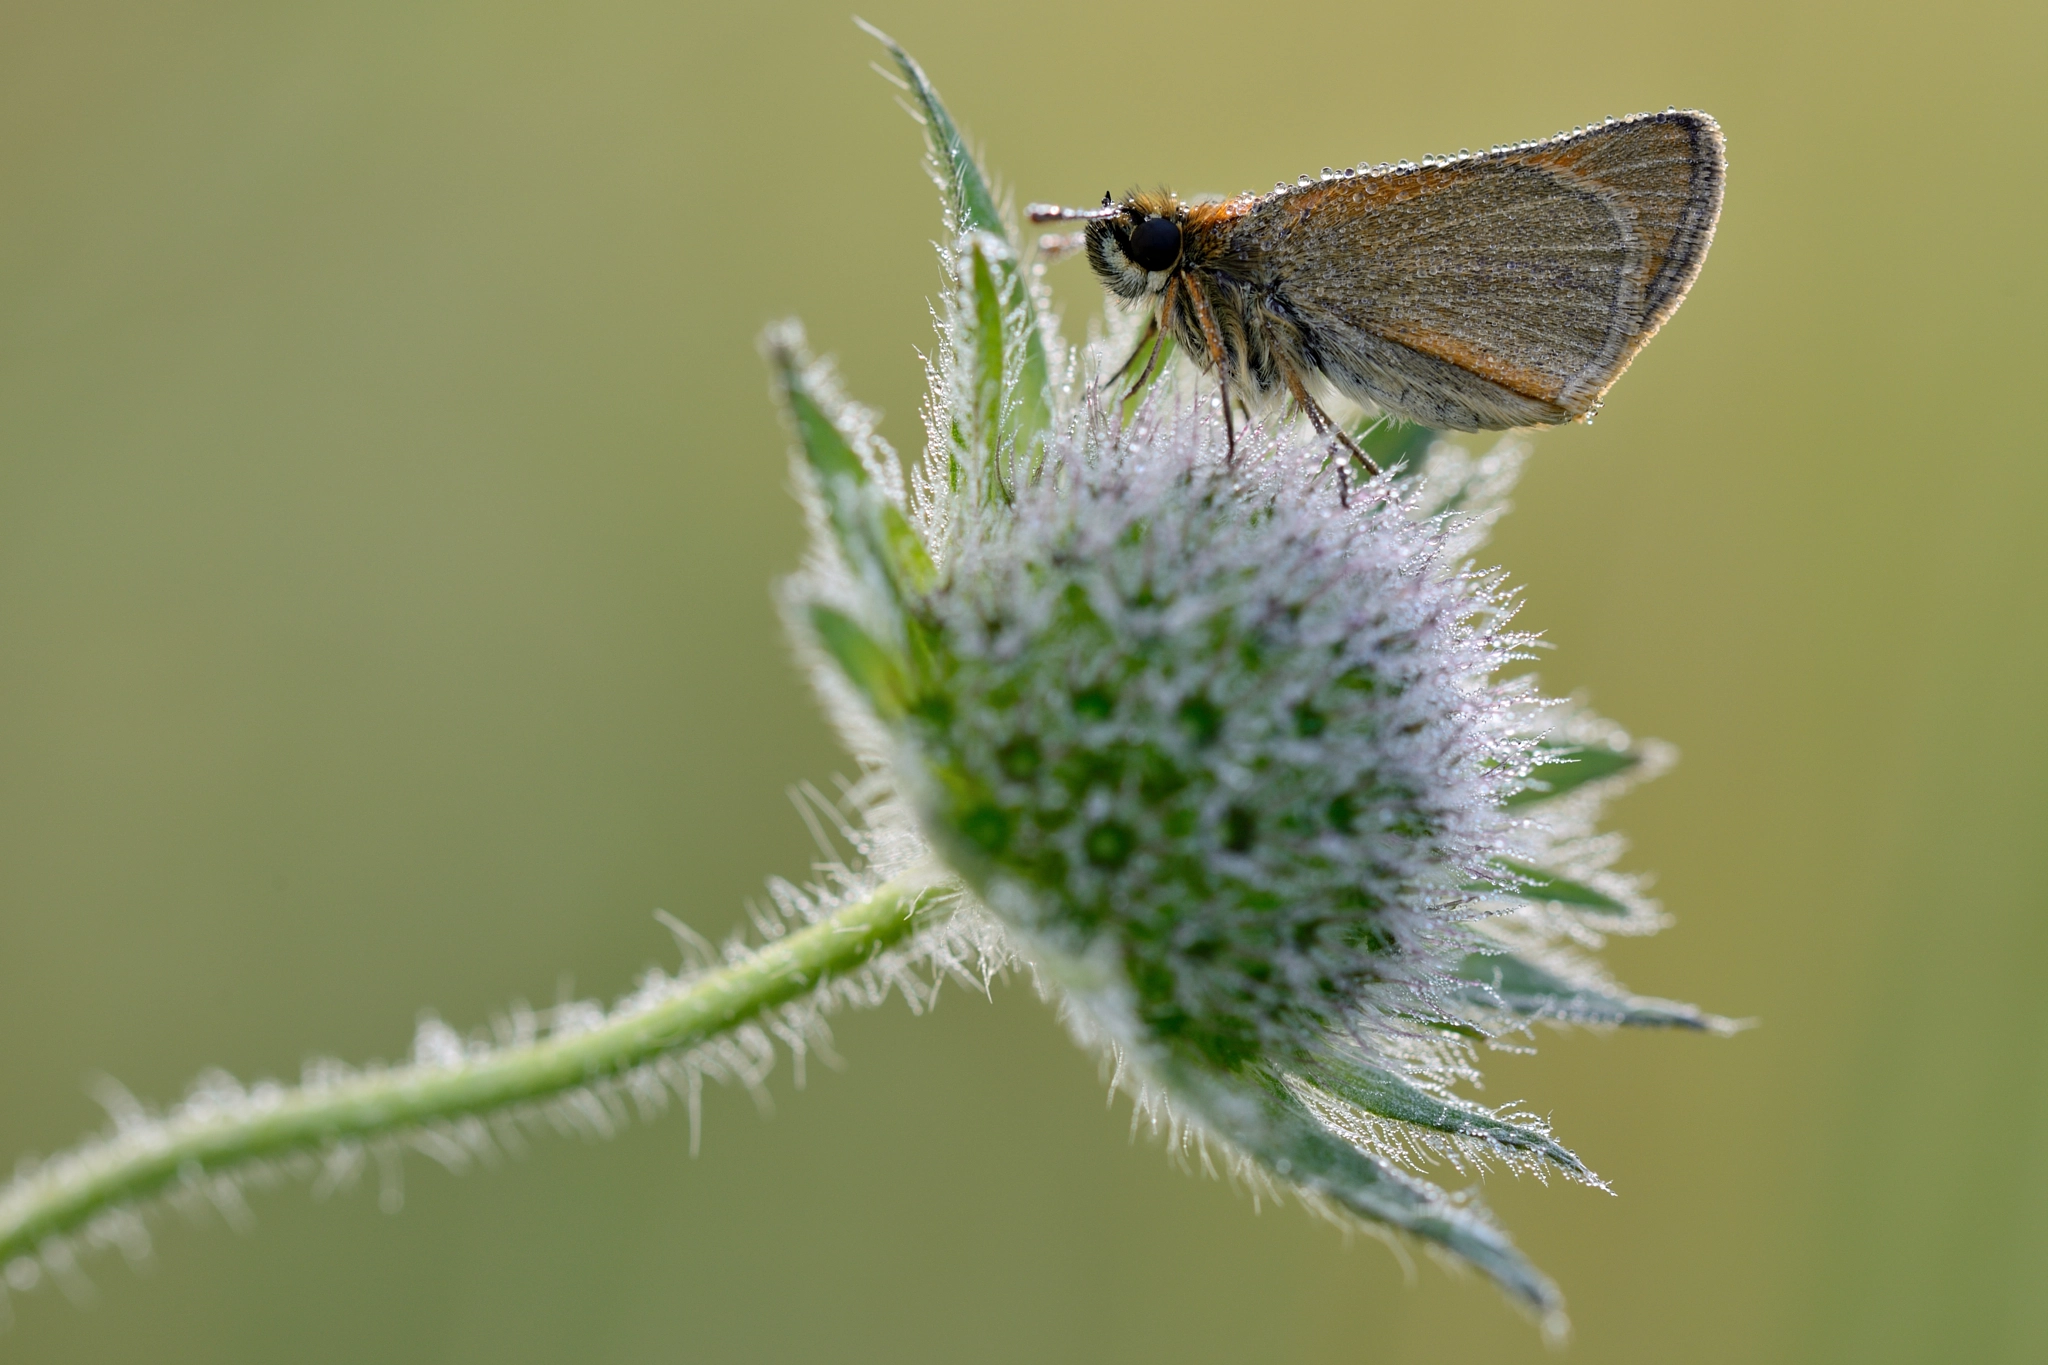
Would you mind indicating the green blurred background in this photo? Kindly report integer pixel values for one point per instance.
(389, 504)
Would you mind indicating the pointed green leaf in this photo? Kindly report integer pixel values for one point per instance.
(984, 307)
(1262, 1117)
(1534, 885)
(1505, 981)
(1568, 767)
(907, 554)
(1391, 441)
(971, 207)
(874, 672)
(880, 545)
(968, 199)
(1000, 409)
(1390, 1096)
(979, 321)
(826, 447)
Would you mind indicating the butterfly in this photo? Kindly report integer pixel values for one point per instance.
(1477, 292)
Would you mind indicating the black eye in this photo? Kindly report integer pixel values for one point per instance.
(1155, 243)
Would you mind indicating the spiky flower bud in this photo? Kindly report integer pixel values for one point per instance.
(1222, 743)
(1212, 727)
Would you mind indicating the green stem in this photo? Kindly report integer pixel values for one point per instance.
(138, 1161)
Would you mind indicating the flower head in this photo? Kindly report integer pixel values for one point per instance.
(1219, 729)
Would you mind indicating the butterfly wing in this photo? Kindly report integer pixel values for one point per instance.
(1506, 289)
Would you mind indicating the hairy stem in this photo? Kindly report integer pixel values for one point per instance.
(143, 1159)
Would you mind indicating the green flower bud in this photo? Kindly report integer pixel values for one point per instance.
(1216, 730)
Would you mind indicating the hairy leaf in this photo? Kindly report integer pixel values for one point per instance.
(971, 207)
(874, 671)
(1535, 885)
(1260, 1113)
(881, 547)
(1568, 767)
(1505, 981)
(1381, 1092)
(1391, 441)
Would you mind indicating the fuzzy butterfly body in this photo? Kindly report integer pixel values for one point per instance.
(1509, 288)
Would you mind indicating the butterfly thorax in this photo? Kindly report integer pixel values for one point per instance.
(1176, 256)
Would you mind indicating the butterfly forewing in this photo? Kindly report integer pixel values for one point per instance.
(1498, 290)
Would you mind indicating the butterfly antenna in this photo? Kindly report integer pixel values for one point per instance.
(1053, 213)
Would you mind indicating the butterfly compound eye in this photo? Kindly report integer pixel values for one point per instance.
(1155, 243)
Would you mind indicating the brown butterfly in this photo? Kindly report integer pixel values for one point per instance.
(1476, 292)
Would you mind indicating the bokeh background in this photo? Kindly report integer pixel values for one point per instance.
(389, 503)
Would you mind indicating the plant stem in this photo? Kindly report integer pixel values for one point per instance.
(141, 1159)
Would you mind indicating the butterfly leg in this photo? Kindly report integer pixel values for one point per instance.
(1151, 330)
(1166, 302)
(1146, 373)
(1326, 427)
(1214, 337)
